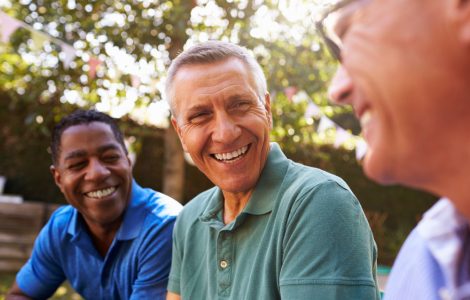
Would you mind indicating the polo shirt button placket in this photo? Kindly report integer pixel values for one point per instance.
(224, 257)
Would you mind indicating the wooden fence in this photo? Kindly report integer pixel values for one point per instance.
(19, 226)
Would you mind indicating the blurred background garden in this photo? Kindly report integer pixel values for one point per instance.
(60, 55)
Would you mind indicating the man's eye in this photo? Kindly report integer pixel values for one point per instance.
(76, 165)
(111, 158)
(244, 105)
(199, 117)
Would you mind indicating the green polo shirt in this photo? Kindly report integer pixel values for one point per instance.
(302, 235)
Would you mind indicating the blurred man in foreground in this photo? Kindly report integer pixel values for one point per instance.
(405, 68)
(270, 228)
(114, 239)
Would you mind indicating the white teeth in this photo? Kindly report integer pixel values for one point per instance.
(365, 118)
(101, 193)
(231, 155)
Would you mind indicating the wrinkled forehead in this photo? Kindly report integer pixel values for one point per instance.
(341, 9)
(222, 79)
(229, 62)
(185, 74)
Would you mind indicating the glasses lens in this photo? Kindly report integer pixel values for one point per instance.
(332, 41)
(334, 21)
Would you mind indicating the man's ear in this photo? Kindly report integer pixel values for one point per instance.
(174, 122)
(267, 107)
(459, 11)
(462, 3)
(56, 176)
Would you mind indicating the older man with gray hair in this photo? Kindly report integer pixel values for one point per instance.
(405, 69)
(270, 228)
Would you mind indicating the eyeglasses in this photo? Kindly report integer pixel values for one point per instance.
(331, 40)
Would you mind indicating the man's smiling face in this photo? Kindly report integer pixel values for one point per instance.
(94, 173)
(222, 123)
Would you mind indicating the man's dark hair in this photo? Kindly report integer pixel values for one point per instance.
(80, 117)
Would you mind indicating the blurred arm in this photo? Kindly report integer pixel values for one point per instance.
(172, 296)
(16, 293)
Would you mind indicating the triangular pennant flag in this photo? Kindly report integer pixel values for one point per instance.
(312, 111)
(325, 124)
(361, 149)
(68, 54)
(93, 64)
(341, 136)
(8, 25)
(38, 39)
(290, 92)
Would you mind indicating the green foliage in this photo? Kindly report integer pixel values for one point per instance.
(36, 89)
(148, 32)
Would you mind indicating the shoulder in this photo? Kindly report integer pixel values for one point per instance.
(54, 234)
(414, 256)
(194, 209)
(319, 188)
(415, 273)
(196, 206)
(60, 218)
(310, 177)
(158, 205)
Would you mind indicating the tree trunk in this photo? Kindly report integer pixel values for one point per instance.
(173, 168)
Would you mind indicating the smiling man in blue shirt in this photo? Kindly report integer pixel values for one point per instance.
(114, 239)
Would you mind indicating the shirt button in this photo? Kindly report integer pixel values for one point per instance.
(223, 264)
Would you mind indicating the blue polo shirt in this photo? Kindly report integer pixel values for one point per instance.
(136, 265)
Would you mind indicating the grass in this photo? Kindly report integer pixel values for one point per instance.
(64, 292)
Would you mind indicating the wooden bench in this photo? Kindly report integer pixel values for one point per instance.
(19, 226)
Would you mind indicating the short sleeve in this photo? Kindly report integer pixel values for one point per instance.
(155, 261)
(42, 274)
(328, 248)
(174, 280)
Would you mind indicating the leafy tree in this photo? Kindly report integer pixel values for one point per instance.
(132, 42)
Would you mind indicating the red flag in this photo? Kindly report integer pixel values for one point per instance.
(93, 64)
(290, 92)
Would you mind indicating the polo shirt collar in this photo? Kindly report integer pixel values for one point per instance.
(212, 212)
(75, 225)
(133, 220)
(266, 190)
(269, 183)
(444, 229)
(134, 215)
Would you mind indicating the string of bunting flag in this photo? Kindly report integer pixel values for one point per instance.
(116, 62)
(325, 123)
(8, 25)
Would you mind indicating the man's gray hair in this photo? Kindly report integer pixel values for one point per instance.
(211, 52)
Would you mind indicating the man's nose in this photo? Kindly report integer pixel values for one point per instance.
(96, 170)
(225, 130)
(341, 87)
